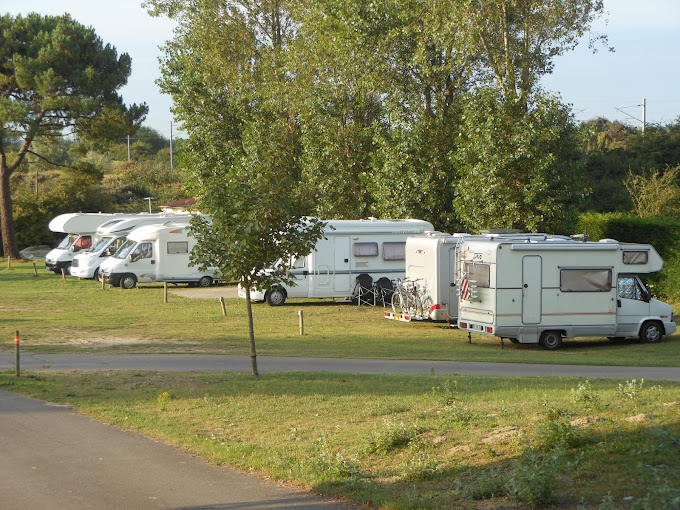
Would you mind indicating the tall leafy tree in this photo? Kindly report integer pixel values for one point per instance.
(57, 77)
(518, 171)
(516, 153)
(518, 40)
(224, 69)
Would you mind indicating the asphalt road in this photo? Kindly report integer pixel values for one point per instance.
(54, 459)
(215, 363)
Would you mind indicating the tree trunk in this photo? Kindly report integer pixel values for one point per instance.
(251, 330)
(9, 240)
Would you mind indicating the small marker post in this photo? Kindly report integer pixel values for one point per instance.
(16, 346)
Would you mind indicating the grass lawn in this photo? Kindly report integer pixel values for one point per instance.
(59, 315)
(390, 441)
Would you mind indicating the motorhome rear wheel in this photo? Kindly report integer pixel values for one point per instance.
(128, 281)
(551, 340)
(205, 281)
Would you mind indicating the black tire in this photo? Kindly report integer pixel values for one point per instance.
(95, 276)
(205, 281)
(128, 281)
(275, 297)
(551, 340)
(514, 340)
(651, 332)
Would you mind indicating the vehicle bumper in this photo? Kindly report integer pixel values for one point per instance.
(82, 272)
(255, 295)
(56, 265)
(112, 278)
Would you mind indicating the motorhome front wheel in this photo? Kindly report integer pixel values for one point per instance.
(276, 297)
(128, 281)
(205, 281)
(651, 332)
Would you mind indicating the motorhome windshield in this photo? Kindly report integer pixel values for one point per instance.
(101, 244)
(125, 249)
(67, 242)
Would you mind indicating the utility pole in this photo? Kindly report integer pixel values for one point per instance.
(171, 145)
(644, 114)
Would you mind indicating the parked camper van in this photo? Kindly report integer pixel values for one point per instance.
(352, 256)
(431, 264)
(155, 253)
(111, 235)
(81, 235)
(543, 291)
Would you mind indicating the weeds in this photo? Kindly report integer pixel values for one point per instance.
(389, 437)
(631, 389)
(533, 478)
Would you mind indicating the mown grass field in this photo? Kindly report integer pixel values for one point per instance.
(57, 315)
(389, 441)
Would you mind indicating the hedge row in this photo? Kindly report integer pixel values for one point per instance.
(663, 234)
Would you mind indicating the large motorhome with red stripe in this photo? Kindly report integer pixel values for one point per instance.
(541, 291)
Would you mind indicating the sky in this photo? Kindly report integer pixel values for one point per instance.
(645, 66)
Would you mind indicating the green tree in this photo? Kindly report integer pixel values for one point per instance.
(224, 70)
(56, 77)
(655, 193)
(518, 171)
(518, 40)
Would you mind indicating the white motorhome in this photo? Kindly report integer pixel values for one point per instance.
(431, 264)
(81, 234)
(541, 291)
(111, 235)
(155, 253)
(350, 258)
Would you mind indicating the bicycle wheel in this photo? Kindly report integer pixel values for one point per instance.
(426, 305)
(397, 302)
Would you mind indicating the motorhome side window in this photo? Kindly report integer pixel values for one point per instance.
(635, 257)
(478, 273)
(629, 288)
(394, 251)
(177, 247)
(365, 249)
(585, 280)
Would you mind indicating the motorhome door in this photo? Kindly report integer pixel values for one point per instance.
(632, 304)
(342, 264)
(142, 262)
(452, 289)
(531, 289)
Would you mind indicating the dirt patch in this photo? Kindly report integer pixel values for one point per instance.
(106, 341)
(214, 292)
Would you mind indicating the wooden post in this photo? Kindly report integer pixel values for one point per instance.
(17, 364)
(35, 270)
(165, 292)
(224, 306)
(9, 262)
(301, 315)
(63, 273)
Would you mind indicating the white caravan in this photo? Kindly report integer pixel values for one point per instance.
(155, 253)
(80, 229)
(349, 260)
(543, 291)
(112, 235)
(431, 264)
